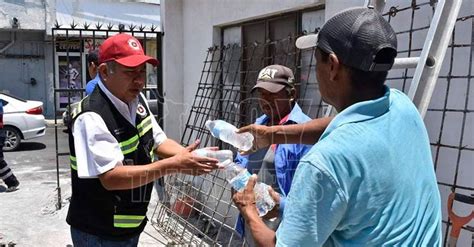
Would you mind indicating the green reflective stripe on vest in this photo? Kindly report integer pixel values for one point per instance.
(128, 221)
(73, 162)
(129, 145)
(79, 107)
(74, 113)
(152, 155)
(144, 126)
(76, 109)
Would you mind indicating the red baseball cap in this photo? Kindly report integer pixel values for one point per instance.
(125, 50)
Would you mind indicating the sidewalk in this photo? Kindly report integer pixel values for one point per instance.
(28, 217)
(50, 122)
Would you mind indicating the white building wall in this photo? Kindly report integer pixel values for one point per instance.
(31, 14)
(200, 29)
(173, 70)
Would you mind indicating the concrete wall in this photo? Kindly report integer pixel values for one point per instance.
(173, 69)
(31, 14)
(332, 7)
(22, 61)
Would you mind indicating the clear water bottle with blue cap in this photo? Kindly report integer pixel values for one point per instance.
(238, 177)
(226, 132)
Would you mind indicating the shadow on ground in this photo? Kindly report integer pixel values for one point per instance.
(3, 189)
(29, 146)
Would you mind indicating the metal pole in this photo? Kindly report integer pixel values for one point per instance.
(55, 83)
(434, 50)
(405, 62)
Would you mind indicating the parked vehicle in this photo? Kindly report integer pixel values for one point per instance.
(22, 120)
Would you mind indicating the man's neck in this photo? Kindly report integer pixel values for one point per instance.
(359, 95)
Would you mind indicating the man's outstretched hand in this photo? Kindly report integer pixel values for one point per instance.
(263, 136)
(189, 163)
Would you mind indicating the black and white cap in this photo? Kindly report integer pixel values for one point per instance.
(360, 37)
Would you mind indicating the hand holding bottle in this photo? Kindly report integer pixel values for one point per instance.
(246, 200)
(238, 177)
(189, 163)
(220, 155)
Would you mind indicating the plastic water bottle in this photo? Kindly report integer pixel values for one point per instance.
(226, 132)
(238, 177)
(221, 155)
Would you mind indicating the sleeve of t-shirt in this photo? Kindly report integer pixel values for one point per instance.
(97, 151)
(158, 134)
(313, 208)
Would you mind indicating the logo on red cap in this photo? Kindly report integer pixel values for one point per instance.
(133, 44)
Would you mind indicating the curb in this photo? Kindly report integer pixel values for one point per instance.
(50, 122)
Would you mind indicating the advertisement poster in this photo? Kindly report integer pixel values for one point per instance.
(70, 77)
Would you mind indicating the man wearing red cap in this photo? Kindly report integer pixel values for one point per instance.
(113, 141)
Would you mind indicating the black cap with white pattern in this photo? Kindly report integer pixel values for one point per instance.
(360, 37)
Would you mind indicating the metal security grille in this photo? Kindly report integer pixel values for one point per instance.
(199, 211)
(71, 43)
(450, 117)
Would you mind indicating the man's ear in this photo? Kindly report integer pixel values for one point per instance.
(103, 71)
(292, 94)
(334, 66)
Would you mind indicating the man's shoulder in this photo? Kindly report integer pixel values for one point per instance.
(339, 148)
(298, 116)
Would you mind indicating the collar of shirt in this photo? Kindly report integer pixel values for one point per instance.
(128, 111)
(96, 78)
(296, 116)
(359, 112)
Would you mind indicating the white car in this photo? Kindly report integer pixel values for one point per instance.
(22, 119)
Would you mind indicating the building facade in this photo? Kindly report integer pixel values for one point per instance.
(32, 67)
(198, 52)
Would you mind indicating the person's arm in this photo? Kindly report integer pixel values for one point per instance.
(98, 155)
(129, 177)
(169, 148)
(245, 202)
(305, 133)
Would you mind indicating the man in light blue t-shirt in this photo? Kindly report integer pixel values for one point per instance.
(369, 180)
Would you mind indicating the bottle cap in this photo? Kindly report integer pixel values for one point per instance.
(226, 163)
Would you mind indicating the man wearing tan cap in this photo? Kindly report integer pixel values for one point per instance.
(113, 142)
(276, 164)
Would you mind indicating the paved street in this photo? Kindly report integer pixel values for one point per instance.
(28, 217)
